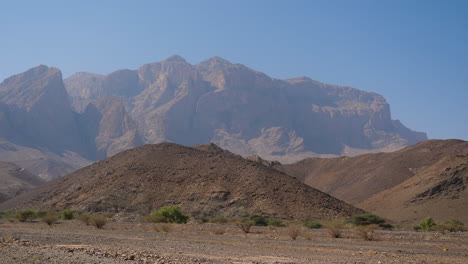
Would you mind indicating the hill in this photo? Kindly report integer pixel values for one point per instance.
(387, 183)
(203, 180)
(15, 180)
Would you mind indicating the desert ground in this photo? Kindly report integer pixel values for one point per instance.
(124, 242)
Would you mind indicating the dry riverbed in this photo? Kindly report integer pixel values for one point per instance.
(74, 242)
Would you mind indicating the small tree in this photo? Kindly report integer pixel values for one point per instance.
(50, 218)
(67, 215)
(98, 221)
(367, 219)
(26, 215)
(170, 214)
(428, 224)
(259, 220)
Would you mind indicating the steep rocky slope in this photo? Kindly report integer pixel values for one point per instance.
(246, 111)
(15, 180)
(203, 180)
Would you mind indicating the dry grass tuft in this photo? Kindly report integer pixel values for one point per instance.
(294, 231)
(367, 232)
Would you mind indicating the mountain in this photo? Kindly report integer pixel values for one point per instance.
(14, 180)
(203, 180)
(246, 111)
(401, 185)
(52, 127)
(439, 191)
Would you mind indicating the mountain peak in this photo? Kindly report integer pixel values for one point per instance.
(175, 58)
(213, 63)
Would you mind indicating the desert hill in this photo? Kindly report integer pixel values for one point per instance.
(15, 180)
(439, 191)
(395, 176)
(203, 180)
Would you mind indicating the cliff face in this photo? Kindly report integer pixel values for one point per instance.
(246, 111)
(94, 116)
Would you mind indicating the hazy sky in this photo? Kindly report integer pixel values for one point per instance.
(415, 53)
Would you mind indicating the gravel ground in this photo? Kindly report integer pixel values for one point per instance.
(74, 242)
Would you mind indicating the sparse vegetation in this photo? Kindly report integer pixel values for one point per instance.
(50, 218)
(169, 214)
(313, 225)
(162, 228)
(26, 215)
(367, 219)
(454, 225)
(85, 218)
(202, 219)
(259, 220)
(66, 215)
(219, 220)
(428, 224)
(367, 232)
(294, 231)
(98, 221)
(219, 231)
(245, 225)
(276, 223)
(335, 228)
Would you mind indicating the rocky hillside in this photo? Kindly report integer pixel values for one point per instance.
(14, 180)
(203, 180)
(52, 126)
(402, 185)
(439, 191)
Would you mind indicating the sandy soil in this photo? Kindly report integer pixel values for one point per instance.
(74, 242)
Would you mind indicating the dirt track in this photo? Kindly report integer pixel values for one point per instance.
(74, 242)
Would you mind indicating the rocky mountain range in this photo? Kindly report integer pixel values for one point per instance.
(15, 180)
(53, 126)
(204, 180)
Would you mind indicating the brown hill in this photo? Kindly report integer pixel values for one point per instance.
(439, 191)
(358, 178)
(203, 180)
(15, 180)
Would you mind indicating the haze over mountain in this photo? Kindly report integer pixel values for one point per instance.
(203, 180)
(426, 179)
(89, 116)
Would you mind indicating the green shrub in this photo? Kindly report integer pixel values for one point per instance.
(259, 220)
(276, 223)
(416, 228)
(50, 218)
(452, 226)
(428, 224)
(313, 225)
(367, 219)
(26, 215)
(219, 220)
(202, 219)
(67, 215)
(170, 214)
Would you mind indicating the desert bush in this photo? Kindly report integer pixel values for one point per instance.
(50, 218)
(245, 225)
(219, 220)
(8, 214)
(416, 228)
(335, 228)
(26, 215)
(294, 231)
(259, 220)
(170, 214)
(162, 228)
(453, 226)
(66, 214)
(276, 223)
(367, 232)
(98, 221)
(85, 218)
(313, 225)
(428, 224)
(367, 219)
(202, 219)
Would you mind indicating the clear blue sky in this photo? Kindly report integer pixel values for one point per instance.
(413, 52)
